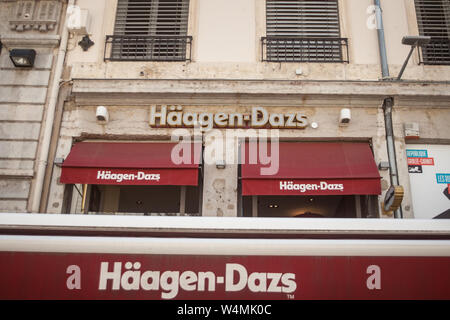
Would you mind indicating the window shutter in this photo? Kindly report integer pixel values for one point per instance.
(151, 30)
(303, 31)
(433, 19)
(302, 18)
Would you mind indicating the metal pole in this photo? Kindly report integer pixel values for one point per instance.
(381, 40)
(388, 103)
(405, 63)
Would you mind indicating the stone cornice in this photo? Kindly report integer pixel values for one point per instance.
(37, 41)
(264, 92)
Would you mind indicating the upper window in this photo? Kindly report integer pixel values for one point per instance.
(150, 30)
(433, 19)
(303, 31)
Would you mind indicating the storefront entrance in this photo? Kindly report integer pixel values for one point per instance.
(131, 178)
(314, 179)
(311, 206)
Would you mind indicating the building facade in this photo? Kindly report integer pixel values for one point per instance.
(26, 96)
(227, 76)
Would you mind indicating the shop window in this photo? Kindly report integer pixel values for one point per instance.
(348, 206)
(433, 19)
(150, 30)
(303, 31)
(136, 200)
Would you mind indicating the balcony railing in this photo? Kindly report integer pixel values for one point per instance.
(437, 52)
(147, 48)
(299, 49)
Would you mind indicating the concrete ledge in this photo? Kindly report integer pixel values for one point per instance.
(274, 92)
(23, 40)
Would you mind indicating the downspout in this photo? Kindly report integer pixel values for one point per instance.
(381, 41)
(388, 105)
(49, 119)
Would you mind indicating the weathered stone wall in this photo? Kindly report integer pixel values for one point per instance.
(23, 94)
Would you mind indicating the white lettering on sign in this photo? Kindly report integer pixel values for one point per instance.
(237, 278)
(119, 177)
(173, 116)
(303, 187)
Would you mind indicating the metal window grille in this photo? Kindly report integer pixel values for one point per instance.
(153, 30)
(433, 19)
(303, 31)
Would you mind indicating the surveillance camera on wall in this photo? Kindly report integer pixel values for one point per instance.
(102, 114)
(345, 117)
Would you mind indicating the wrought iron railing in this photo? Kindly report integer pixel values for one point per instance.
(437, 52)
(301, 49)
(147, 48)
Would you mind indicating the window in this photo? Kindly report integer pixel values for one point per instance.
(303, 31)
(150, 30)
(433, 19)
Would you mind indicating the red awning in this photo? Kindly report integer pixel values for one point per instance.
(311, 168)
(132, 163)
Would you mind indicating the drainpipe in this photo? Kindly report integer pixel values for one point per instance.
(381, 41)
(388, 105)
(49, 118)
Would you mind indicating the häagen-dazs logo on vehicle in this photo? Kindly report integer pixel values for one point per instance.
(237, 278)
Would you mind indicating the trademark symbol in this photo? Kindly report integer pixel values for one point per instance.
(290, 296)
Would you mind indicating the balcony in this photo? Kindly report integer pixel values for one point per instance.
(437, 52)
(147, 48)
(299, 49)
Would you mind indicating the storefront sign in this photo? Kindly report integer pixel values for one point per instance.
(303, 187)
(108, 175)
(443, 178)
(175, 116)
(123, 176)
(139, 276)
(416, 153)
(310, 187)
(420, 161)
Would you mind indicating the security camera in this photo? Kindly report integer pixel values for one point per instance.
(345, 117)
(102, 114)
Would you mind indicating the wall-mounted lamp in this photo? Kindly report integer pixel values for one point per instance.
(102, 114)
(344, 117)
(22, 58)
(413, 41)
(220, 164)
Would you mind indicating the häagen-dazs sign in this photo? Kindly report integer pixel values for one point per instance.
(259, 117)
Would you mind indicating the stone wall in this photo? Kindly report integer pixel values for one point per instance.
(23, 94)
